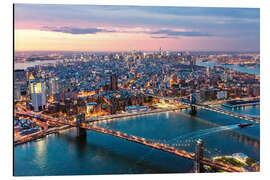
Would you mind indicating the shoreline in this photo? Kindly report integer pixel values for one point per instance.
(238, 68)
(124, 115)
(106, 118)
(64, 127)
(50, 131)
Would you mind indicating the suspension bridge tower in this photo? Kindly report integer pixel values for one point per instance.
(193, 101)
(80, 118)
(198, 166)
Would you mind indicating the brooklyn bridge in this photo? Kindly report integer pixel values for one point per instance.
(82, 126)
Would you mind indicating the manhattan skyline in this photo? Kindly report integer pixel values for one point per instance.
(101, 90)
(40, 27)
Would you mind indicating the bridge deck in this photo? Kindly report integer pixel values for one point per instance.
(208, 108)
(140, 140)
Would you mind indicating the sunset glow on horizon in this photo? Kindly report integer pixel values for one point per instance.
(123, 28)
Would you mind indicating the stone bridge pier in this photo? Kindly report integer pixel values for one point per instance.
(198, 166)
(81, 132)
(193, 109)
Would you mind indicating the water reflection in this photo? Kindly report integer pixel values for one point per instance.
(65, 153)
(85, 147)
(81, 145)
(40, 156)
(246, 140)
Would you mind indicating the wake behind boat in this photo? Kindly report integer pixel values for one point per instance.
(244, 125)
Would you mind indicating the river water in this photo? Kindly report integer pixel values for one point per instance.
(250, 70)
(66, 154)
(25, 65)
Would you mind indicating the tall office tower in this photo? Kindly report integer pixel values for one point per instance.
(53, 86)
(207, 71)
(38, 93)
(114, 85)
(160, 51)
(19, 75)
(44, 94)
(39, 68)
(17, 92)
(192, 61)
(133, 52)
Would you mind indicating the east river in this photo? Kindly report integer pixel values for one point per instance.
(250, 70)
(66, 154)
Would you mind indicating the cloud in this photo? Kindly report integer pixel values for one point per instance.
(180, 33)
(159, 37)
(92, 30)
(219, 19)
(198, 21)
(74, 30)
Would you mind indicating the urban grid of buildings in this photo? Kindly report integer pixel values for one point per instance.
(96, 84)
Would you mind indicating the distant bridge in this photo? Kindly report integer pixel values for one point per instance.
(124, 115)
(206, 107)
(140, 140)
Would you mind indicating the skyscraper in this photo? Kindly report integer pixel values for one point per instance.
(192, 61)
(17, 91)
(19, 75)
(114, 85)
(53, 86)
(38, 93)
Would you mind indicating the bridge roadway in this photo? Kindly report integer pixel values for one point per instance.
(124, 115)
(140, 140)
(208, 108)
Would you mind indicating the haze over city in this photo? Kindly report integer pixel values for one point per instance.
(124, 28)
(135, 90)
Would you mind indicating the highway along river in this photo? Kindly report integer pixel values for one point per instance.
(65, 154)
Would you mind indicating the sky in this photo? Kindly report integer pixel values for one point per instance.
(40, 27)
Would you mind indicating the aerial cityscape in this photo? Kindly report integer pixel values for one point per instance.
(135, 90)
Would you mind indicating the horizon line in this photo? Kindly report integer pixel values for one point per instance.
(257, 51)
